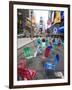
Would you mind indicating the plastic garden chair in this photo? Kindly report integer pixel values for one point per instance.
(22, 63)
(63, 43)
(55, 46)
(51, 48)
(28, 53)
(46, 41)
(38, 41)
(59, 45)
(45, 55)
(51, 66)
(47, 52)
(25, 73)
(43, 45)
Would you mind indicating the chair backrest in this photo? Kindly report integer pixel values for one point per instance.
(26, 51)
(43, 45)
(47, 52)
(39, 41)
(21, 63)
(50, 47)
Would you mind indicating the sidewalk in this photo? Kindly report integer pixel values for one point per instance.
(23, 41)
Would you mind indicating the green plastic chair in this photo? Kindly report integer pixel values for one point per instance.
(63, 43)
(27, 53)
(39, 40)
(43, 45)
(46, 41)
(55, 47)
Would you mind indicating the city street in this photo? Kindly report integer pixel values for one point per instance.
(37, 64)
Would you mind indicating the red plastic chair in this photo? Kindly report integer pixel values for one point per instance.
(26, 74)
(22, 63)
(45, 54)
(59, 45)
(23, 72)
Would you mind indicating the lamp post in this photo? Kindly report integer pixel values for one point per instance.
(31, 25)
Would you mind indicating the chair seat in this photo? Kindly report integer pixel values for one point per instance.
(48, 65)
(29, 57)
(52, 65)
(26, 73)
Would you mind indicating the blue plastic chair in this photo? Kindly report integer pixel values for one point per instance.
(52, 66)
(50, 47)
